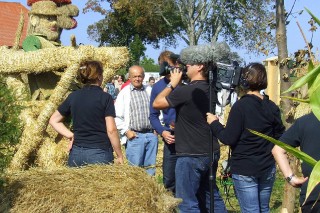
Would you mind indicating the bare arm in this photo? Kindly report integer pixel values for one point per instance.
(161, 102)
(56, 121)
(114, 138)
(280, 156)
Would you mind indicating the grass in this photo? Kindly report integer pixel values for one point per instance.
(275, 201)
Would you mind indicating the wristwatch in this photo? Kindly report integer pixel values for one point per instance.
(289, 178)
(170, 86)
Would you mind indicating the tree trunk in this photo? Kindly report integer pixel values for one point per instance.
(281, 37)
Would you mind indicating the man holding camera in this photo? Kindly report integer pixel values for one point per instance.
(192, 133)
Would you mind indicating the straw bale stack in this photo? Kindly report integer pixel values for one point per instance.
(301, 110)
(97, 188)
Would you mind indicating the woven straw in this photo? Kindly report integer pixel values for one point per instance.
(59, 58)
(112, 58)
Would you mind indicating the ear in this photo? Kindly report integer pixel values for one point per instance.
(34, 20)
(200, 67)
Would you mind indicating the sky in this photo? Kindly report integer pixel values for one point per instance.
(294, 36)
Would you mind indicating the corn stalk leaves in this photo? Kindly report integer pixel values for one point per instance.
(296, 99)
(309, 77)
(314, 94)
(314, 179)
(299, 154)
(313, 16)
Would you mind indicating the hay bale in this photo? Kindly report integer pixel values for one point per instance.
(301, 110)
(96, 188)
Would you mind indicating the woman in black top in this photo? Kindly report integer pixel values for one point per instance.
(252, 164)
(95, 134)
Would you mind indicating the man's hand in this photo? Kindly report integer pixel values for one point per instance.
(176, 75)
(169, 139)
(297, 181)
(130, 134)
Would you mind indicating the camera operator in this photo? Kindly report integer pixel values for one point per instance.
(192, 132)
(169, 117)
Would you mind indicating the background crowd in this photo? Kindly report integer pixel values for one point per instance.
(133, 114)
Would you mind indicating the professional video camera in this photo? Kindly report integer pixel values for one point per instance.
(165, 68)
(228, 76)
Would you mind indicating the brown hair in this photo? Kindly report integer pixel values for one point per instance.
(166, 56)
(255, 77)
(90, 71)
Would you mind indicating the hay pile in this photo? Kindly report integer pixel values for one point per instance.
(99, 188)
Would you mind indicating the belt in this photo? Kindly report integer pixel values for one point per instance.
(143, 130)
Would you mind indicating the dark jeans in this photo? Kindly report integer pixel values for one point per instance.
(80, 156)
(168, 167)
(192, 185)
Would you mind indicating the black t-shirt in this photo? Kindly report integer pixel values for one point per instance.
(251, 154)
(192, 132)
(305, 133)
(88, 108)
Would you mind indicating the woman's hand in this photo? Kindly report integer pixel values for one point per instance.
(211, 117)
(71, 139)
(119, 160)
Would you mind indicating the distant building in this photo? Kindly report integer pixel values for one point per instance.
(10, 13)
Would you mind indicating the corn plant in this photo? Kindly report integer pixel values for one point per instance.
(312, 79)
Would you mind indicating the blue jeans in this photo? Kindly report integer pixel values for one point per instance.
(169, 166)
(254, 193)
(142, 151)
(80, 156)
(192, 185)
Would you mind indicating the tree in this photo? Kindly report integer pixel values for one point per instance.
(127, 22)
(286, 104)
(240, 23)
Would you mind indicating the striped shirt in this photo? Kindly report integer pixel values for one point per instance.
(139, 109)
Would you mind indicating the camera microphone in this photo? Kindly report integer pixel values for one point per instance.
(199, 54)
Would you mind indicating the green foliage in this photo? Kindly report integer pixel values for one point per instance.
(299, 154)
(149, 65)
(312, 78)
(240, 23)
(10, 128)
(136, 49)
(125, 19)
(313, 16)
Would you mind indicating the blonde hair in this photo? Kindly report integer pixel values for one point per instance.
(90, 72)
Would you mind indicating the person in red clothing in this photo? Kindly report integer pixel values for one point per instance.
(127, 82)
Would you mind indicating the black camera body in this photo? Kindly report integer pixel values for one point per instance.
(166, 69)
(228, 76)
